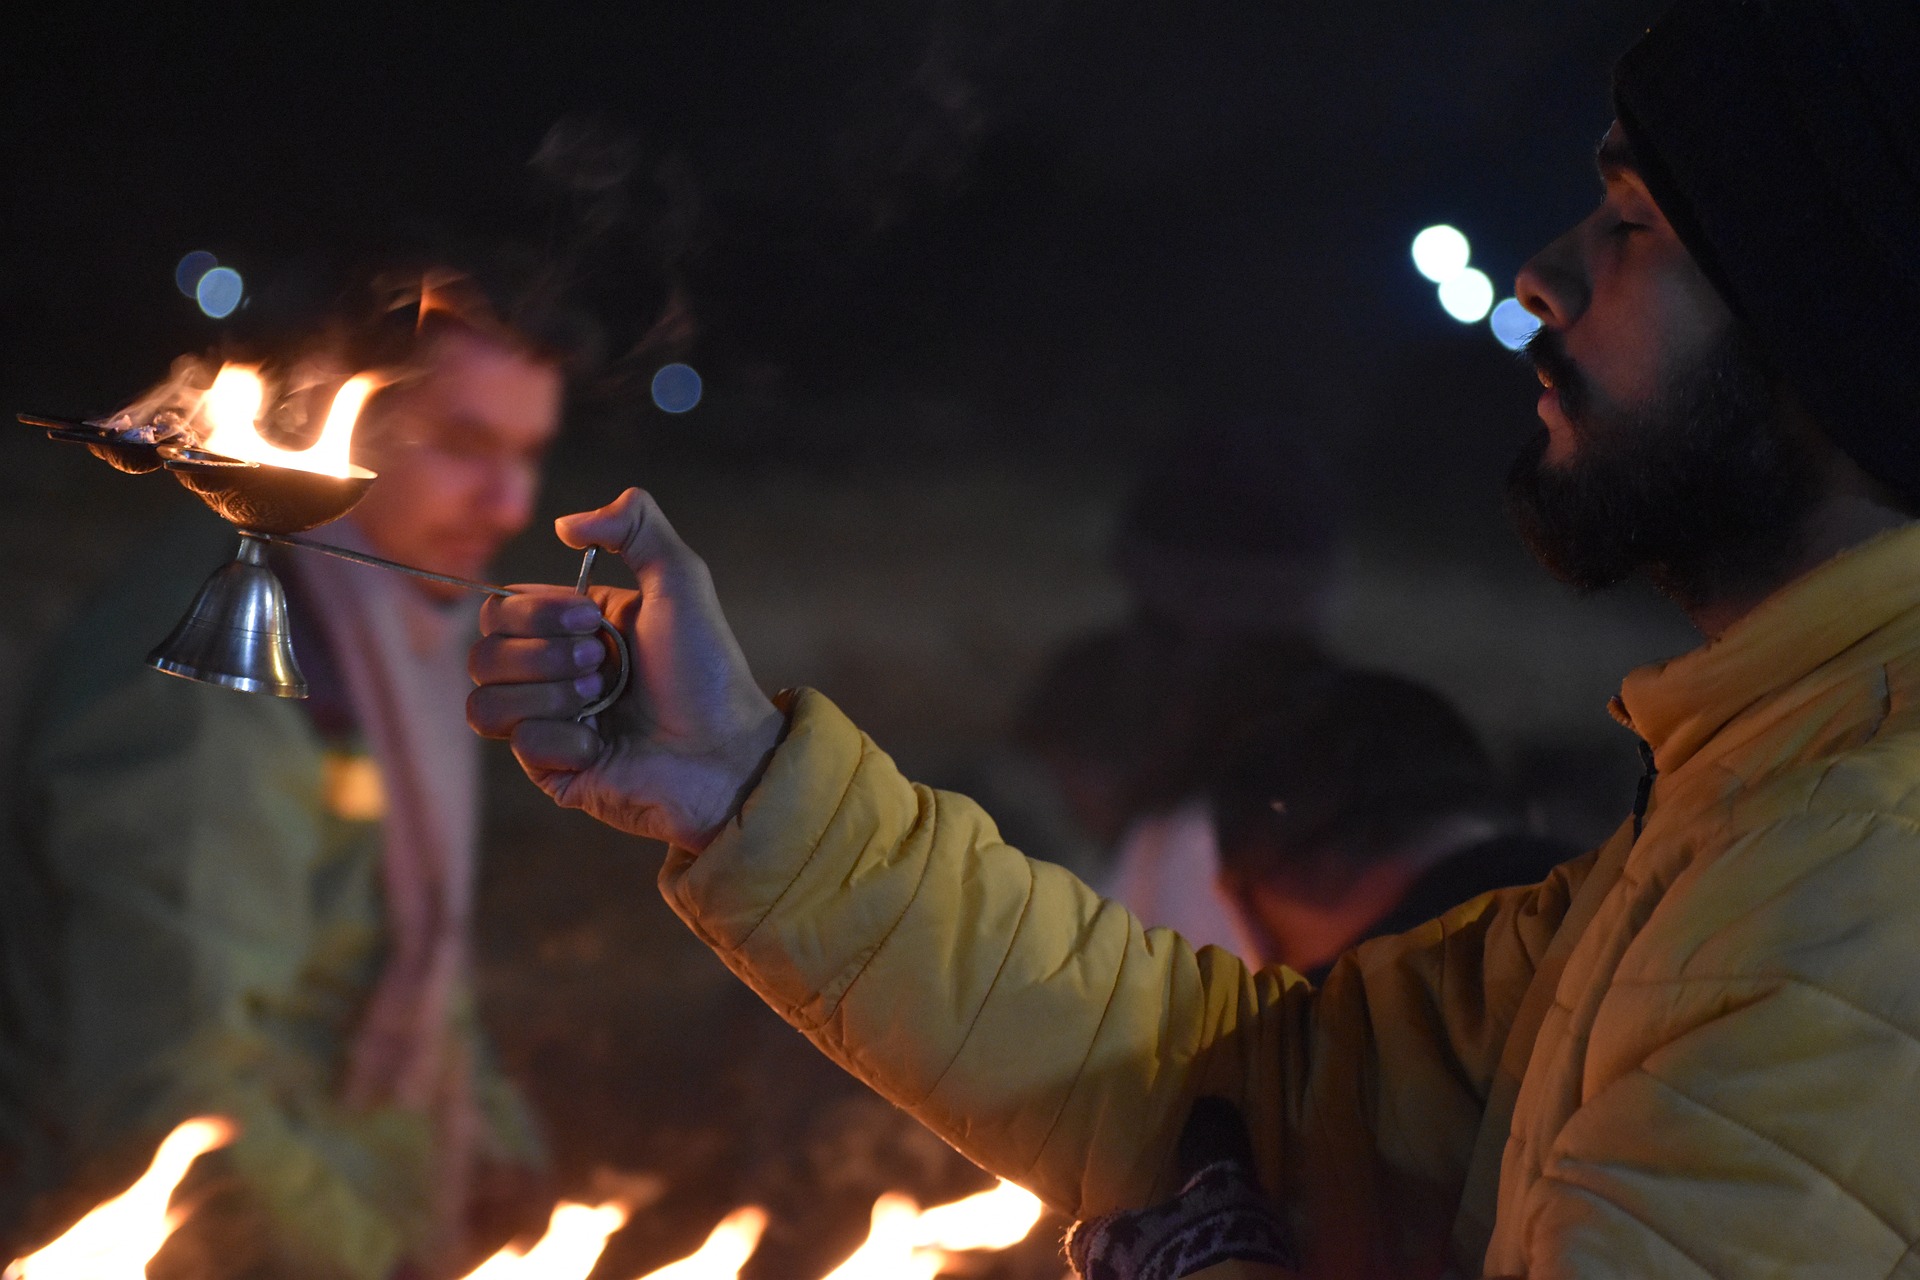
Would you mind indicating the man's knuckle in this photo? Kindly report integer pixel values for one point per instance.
(482, 715)
(551, 661)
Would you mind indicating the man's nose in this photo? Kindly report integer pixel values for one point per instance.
(509, 496)
(1553, 284)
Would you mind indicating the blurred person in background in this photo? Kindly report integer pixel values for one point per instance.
(1364, 805)
(1692, 1050)
(1228, 547)
(260, 908)
(1083, 737)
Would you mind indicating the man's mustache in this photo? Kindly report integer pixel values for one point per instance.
(1556, 368)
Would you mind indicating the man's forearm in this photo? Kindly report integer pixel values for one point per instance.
(1043, 1031)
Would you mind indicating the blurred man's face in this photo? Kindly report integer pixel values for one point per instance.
(1664, 449)
(459, 454)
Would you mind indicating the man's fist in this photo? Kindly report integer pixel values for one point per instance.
(675, 756)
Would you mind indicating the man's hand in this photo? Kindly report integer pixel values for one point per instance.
(676, 755)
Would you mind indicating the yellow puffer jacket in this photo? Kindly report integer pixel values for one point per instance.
(1689, 1053)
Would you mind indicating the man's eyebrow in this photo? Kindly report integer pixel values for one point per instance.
(1615, 157)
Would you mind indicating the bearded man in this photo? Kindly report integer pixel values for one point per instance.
(1692, 1051)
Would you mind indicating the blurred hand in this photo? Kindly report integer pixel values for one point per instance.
(675, 756)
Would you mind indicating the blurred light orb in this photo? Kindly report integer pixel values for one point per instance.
(1513, 324)
(219, 291)
(1468, 296)
(187, 272)
(1441, 253)
(676, 387)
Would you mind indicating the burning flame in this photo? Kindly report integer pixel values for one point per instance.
(727, 1249)
(231, 408)
(576, 1233)
(904, 1243)
(907, 1244)
(118, 1238)
(889, 1252)
(996, 1219)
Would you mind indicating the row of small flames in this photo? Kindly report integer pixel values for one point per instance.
(118, 1238)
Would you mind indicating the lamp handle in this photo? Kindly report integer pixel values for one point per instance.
(623, 655)
(622, 676)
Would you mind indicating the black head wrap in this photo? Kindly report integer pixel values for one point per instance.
(1781, 138)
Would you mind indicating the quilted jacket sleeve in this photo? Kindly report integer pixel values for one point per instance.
(1052, 1039)
(1751, 1106)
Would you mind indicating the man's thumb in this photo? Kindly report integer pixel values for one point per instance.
(632, 526)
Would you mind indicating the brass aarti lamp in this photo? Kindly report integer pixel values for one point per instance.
(235, 633)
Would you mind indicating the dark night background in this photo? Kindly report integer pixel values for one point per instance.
(948, 271)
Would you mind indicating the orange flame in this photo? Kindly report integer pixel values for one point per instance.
(231, 408)
(117, 1239)
(889, 1252)
(996, 1219)
(576, 1234)
(727, 1249)
(905, 1243)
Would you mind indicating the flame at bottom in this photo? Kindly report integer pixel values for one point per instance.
(576, 1234)
(725, 1252)
(904, 1242)
(117, 1238)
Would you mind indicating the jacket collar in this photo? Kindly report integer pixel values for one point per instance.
(1678, 705)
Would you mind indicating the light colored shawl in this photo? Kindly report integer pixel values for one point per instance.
(403, 660)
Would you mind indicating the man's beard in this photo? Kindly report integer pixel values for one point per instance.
(1706, 490)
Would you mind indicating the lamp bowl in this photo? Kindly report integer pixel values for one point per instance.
(263, 497)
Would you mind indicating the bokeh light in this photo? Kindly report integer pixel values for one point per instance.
(1441, 253)
(219, 291)
(1513, 324)
(187, 272)
(676, 388)
(1468, 296)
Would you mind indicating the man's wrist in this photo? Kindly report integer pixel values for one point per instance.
(745, 762)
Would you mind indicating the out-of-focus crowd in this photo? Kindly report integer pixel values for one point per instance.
(1235, 779)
